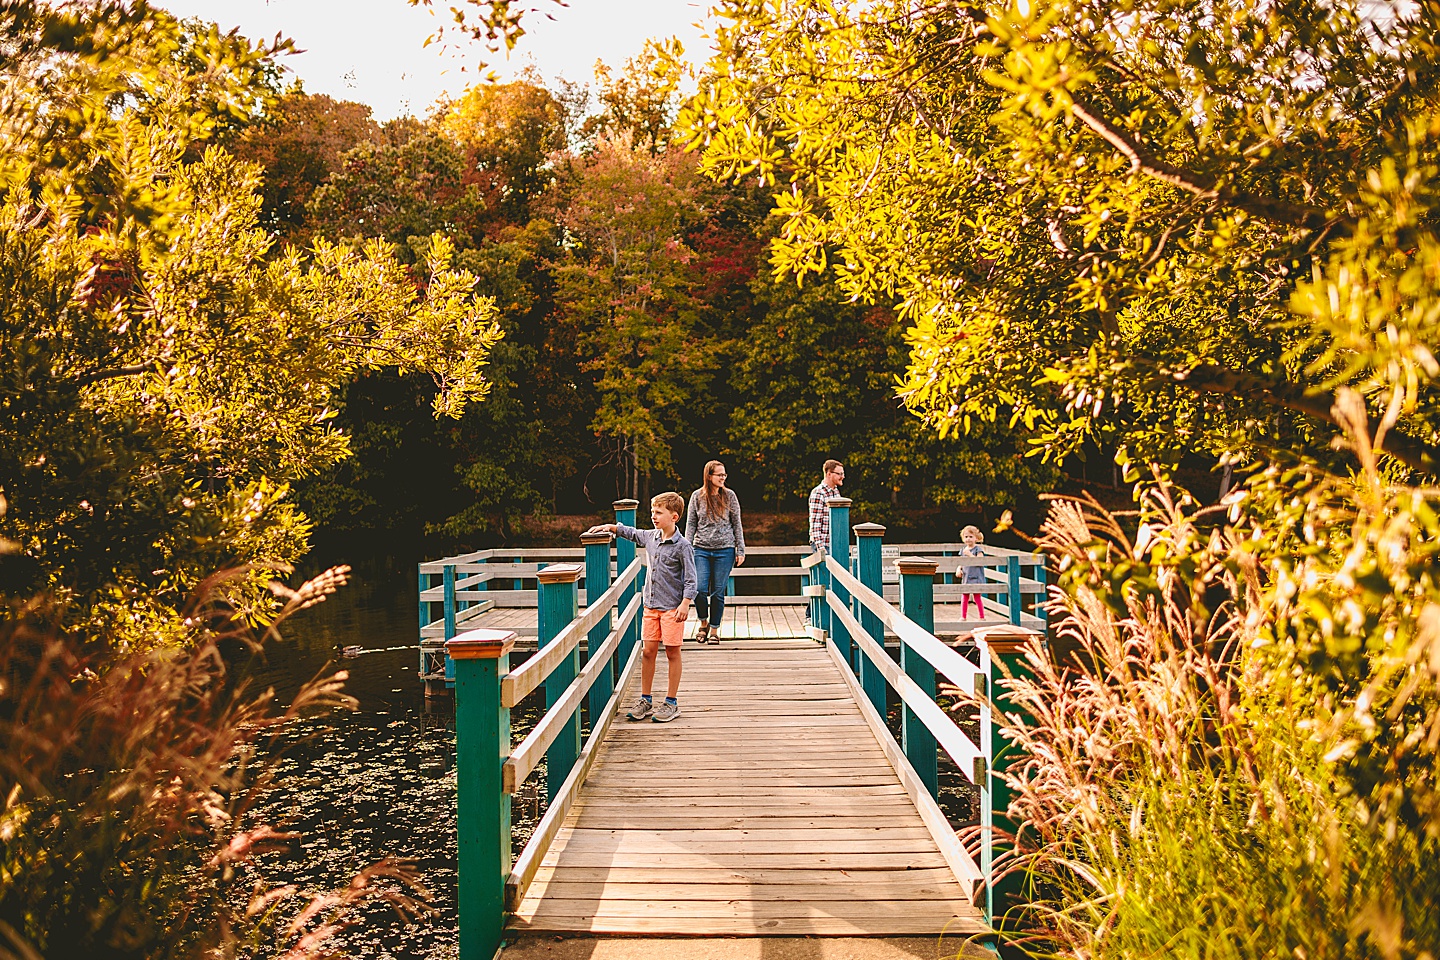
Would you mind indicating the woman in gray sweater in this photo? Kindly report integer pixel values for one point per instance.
(712, 525)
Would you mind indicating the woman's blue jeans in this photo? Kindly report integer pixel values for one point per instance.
(712, 573)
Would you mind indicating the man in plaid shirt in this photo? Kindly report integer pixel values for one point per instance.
(819, 513)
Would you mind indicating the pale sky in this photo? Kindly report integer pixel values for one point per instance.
(373, 50)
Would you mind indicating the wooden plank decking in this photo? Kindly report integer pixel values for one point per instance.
(767, 808)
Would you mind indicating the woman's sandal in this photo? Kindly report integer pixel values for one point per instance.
(713, 636)
(701, 631)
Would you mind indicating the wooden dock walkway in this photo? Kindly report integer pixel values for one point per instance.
(769, 807)
(780, 805)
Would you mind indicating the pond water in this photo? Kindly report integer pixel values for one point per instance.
(376, 783)
(380, 782)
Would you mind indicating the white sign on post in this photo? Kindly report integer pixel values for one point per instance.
(889, 553)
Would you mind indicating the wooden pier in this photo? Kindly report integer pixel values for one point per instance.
(779, 803)
(768, 808)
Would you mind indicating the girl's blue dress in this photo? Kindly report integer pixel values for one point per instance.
(974, 572)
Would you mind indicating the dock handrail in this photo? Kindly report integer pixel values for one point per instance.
(543, 662)
(945, 659)
(490, 768)
(946, 732)
(526, 756)
(852, 617)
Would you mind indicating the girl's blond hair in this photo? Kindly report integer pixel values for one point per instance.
(979, 537)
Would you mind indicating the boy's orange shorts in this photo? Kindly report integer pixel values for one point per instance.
(658, 625)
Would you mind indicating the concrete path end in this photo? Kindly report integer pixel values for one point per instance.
(748, 948)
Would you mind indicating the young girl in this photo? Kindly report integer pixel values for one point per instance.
(972, 572)
(712, 525)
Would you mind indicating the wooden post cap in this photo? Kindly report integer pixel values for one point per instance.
(626, 504)
(480, 644)
(561, 573)
(1004, 638)
(590, 539)
(868, 529)
(838, 502)
(917, 566)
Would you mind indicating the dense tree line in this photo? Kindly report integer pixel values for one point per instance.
(645, 330)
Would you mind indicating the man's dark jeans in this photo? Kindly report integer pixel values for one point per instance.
(712, 573)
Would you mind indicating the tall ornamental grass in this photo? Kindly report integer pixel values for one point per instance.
(128, 783)
(1233, 750)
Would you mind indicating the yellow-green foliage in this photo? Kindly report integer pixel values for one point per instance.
(1173, 227)
(164, 373)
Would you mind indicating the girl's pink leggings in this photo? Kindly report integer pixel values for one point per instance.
(965, 599)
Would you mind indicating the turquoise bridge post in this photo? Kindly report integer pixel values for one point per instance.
(624, 556)
(1002, 655)
(449, 600)
(917, 604)
(869, 539)
(839, 508)
(559, 605)
(820, 574)
(482, 742)
(1012, 587)
(597, 581)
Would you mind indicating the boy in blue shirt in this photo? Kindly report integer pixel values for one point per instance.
(670, 585)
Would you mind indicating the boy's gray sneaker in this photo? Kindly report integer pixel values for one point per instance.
(642, 709)
(666, 712)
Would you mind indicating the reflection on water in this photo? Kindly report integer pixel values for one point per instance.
(379, 782)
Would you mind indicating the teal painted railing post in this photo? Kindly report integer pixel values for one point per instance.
(1001, 656)
(869, 538)
(821, 574)
(425, 617)
(1012, 571)
(559, 605)
(917, 603)
(840, 549)
(809, 578)
(482, 742)
(597, 581)
(1040, 599)
(624, 556)
(449, 600)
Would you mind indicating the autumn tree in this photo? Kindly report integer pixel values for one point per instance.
(1115, 257)
(471, 173)
(626, 286)
(814, 377)
(639, 101)
(511, 131)
(298, 144)
(406, 190)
